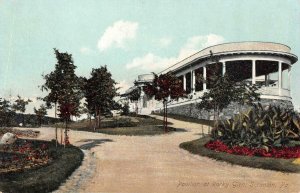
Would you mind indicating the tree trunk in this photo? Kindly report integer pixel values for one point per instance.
(23, 119)
(167, 117)
(40, 121)
(96, 119)
(164, 116)
(90, 119)
(99, 117)
(55, 124)
(66, 135)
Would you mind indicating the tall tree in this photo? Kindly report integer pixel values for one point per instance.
(100, 90)
(165, 87)
(41, 112)
(63, 85)
(20, 105)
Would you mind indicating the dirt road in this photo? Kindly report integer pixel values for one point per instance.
(124, 164)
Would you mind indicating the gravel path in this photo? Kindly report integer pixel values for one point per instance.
(135, 164)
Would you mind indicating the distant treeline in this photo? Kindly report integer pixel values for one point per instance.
(13, 119)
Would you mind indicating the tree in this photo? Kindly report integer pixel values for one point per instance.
(100, 90)
(41, 112)
(7, 114)
(20, 105)
(218, 97)
(63, 86)
(165, 87)
(125, 109)
(225, 90)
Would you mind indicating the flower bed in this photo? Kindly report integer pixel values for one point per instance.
(42, 168)
(23, 154)
(277, 152)
(270, 163)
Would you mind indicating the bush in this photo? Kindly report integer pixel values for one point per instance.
(125, 109)
(259, 127)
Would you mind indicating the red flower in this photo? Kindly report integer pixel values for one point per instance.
(283, 152)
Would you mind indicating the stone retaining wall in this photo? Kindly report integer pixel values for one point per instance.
(191, 110)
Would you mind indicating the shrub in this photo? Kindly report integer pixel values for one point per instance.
(125, 109)
(259, 127)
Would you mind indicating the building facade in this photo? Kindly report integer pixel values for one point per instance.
(265, 63)
(136, 98)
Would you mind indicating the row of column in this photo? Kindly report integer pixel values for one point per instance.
(193, 76)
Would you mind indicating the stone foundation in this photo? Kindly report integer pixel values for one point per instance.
(191, 110)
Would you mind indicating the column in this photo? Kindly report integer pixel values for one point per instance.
(224, 68)
(253, 71)
(193, 81)
(184, 82)
(289, 75)
(279, 77)
(204, 77)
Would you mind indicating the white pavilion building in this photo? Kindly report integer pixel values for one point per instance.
(266, 63)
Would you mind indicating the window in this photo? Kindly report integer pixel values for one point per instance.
(285, 83)
(267, 73)
(212, 71)
(240, 70)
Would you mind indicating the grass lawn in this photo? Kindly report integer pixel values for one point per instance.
(138, 131)
(284, 165)
(46, 178)
(126, 125)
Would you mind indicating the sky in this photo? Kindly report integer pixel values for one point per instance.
(131, 37)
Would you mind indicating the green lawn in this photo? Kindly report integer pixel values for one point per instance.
(138, 131)
(126, 125)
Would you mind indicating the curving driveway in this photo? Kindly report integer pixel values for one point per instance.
(125, 164)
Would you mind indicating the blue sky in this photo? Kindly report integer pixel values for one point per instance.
(131, 37)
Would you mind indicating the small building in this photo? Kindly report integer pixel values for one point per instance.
(265, 63)
(135, 97)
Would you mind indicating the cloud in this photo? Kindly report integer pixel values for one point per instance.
(165, 41)
(123, 85)
(117, 34)
(151, 62)
(85, 50)
(196, 43)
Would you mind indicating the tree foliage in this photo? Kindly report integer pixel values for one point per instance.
(165, 87)
(20, 105)
(7, 114)
(99, 91)
(64, 87)
(41, 112)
